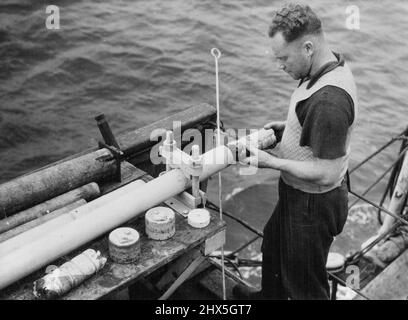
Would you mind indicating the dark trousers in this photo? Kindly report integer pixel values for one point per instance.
(296, 243)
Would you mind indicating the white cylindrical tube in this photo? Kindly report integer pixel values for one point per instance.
(160, 223)
(261, 139)
(26, 237)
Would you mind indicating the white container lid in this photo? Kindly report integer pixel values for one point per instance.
(160, 215)
(199, 218)
(124, 236)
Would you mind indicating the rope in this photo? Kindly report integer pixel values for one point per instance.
(217, 54)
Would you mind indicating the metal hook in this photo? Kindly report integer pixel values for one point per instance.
(215, 53)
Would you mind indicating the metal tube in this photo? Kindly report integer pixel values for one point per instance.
(106, 131)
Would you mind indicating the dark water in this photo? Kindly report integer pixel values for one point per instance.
(138, 61)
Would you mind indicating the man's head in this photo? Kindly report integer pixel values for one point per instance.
(296, 35)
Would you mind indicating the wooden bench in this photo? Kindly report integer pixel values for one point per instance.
(188, 244)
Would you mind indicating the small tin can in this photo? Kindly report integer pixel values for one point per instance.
(160, 223)
(124, 245)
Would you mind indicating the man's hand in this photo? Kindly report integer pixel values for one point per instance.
(260, 159)
(278, 127)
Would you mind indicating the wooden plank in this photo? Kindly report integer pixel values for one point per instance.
(176, 269)
(392, 283)
(137, 143)
(29, 190)
(87, 192)
(183, 277)
(215, 242)
(142, 139)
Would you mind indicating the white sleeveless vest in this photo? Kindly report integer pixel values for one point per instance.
(290, 147)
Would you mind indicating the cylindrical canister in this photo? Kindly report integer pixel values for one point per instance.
(199, 218)
(124, 245)
(69, 275)
(160, 223)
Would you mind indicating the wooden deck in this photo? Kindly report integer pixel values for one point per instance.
(187, 241)
(393, 282)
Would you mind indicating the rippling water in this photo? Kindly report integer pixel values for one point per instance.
(138, 61)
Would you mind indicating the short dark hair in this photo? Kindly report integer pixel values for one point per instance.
(295, 21)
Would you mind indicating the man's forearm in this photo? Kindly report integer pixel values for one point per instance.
(323, 172)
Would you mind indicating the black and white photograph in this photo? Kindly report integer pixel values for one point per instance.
(203, 156)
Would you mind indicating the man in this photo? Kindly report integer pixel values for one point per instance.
(313, 159)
